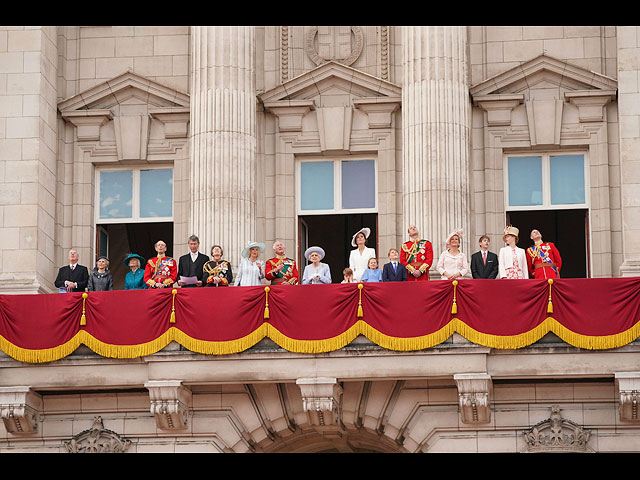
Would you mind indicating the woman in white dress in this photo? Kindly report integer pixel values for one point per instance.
(453, 263)
(359, 258)
(316, 271)
(512, 260)
(251, 271)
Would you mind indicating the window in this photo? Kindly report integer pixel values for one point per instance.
(134, 195)
(337, 186)
(547, 181)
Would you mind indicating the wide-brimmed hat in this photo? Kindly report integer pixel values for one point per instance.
(133, 255)
(458, 232)
(311, 250)
(366, 231)
(250, 245)
(511, 231)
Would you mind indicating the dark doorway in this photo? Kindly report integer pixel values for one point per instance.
(333, 233)
(124, 238)
(567, 229)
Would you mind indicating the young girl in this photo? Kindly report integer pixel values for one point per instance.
(372, 273)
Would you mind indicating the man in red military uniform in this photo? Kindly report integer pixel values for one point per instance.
(160, 271)
(543, 258)
(280, 269)
(417, 256)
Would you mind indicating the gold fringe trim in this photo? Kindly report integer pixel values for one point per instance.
(324, 345)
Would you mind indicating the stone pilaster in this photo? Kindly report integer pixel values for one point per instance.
(436, 132)
(223, 138)
(628, 42)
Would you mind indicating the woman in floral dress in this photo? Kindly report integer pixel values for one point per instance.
(512, 260)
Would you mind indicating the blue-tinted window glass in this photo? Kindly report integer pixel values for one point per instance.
(116, 194)
(156, 193)
(316, 185)
(358, 184)
(567, 179)
(525, 181)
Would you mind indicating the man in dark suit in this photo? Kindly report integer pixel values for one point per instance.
(394, 271)
(73, 277)
(190, 265)
(484, 264)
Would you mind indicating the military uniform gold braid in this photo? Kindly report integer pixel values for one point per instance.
(160, 263)
(217, 270)
(413, 253)
(282, 274)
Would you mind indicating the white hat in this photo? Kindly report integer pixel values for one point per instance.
(250, 245)
(366, 231)
(458, 232)
(311, 250)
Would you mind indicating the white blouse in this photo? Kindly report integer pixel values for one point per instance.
(452, 264)
(249, 274)
(358, 261)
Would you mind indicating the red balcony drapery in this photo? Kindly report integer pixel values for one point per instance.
(504, 314)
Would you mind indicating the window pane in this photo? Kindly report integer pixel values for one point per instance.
(525, 181)
(116, 194)
(316, 185)
(567, 179)
(358, 184)
(156, 193)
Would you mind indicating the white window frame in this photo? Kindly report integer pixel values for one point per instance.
(337, 185)
(135, 206)
(546, 181)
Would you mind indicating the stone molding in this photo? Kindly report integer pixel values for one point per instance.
(170, 402)
(557, 434)
(19, 409)
(379, 110)
(591, 103)
(290, 113)
(499, 107)
(314, 55)
(97, 439)
(473, 397)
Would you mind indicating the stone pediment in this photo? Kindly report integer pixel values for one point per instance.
(330, 79)
(128, 88)
(543, 72)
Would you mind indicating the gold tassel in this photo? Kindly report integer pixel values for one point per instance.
(360, 312)
(550, 305)
(173, 305)
(454, 307)
(83, 318)
(266, 302)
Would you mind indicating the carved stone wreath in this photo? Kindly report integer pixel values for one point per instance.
(317, 59)
(97, 440)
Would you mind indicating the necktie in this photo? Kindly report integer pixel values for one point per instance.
(73, 268)
(395, 267)
(484, 258)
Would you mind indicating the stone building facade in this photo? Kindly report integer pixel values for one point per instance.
(222, 125)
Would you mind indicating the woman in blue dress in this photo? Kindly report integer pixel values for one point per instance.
(316, 271)
(134, 280)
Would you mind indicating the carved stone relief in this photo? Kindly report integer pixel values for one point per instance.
(97, 440)
(557, 434)
(334, 43)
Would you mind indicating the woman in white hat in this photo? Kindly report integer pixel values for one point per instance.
(453, 263)
(359, 258)
(251, 271)
(512, 260)
(316, 271)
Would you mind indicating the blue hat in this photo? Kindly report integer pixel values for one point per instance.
(311, 250)
(250, 245)
(134, 255)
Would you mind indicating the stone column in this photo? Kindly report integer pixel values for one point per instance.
(223, 138)
(28, 129)
(436, 131)
(628, 41)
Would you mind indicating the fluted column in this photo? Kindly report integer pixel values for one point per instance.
(436, 132)
(223, 138)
